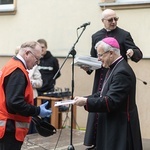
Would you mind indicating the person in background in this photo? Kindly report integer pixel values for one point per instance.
(17, 97)
(118, 126)
(48, 67)
(36, 82)
(127, 49)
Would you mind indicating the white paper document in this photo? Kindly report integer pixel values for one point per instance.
(64, 102)
(87, 61)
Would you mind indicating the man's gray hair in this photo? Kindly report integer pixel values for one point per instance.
(107, 47)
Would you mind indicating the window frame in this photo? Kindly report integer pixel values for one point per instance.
(8, 9)
(113, 4)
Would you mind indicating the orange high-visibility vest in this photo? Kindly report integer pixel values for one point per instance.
(21, 122)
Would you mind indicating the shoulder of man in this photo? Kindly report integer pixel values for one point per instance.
(99, 32)
(122, 30)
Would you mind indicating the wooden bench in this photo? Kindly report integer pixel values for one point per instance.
(56, 117)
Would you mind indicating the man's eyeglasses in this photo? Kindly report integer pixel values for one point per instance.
(112, 19)
(37, 59)
(101, 55)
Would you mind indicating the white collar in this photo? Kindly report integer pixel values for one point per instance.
(22, 59)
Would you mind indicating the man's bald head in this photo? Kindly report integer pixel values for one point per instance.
(107, 13)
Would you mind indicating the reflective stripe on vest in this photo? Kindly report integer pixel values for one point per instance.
(2, 123)
(22, 125)
(18, 124)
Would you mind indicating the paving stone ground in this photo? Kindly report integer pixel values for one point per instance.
(61, 141)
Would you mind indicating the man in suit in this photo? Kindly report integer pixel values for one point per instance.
(16, 96)
(118, 125)
(127, 49)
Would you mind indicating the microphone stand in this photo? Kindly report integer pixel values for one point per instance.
(73, 53)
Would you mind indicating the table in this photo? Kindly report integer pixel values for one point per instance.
(56, 117)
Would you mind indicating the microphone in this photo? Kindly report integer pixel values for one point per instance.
(144, 82)
(84, 25)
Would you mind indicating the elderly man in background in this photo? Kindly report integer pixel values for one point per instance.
(118, 125)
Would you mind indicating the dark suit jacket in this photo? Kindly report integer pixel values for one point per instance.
(118, 122)
(126, 42)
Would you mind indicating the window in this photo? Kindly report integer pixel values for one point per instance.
(135, 1)
(124, 4)
(6, 2)
(7, 7)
